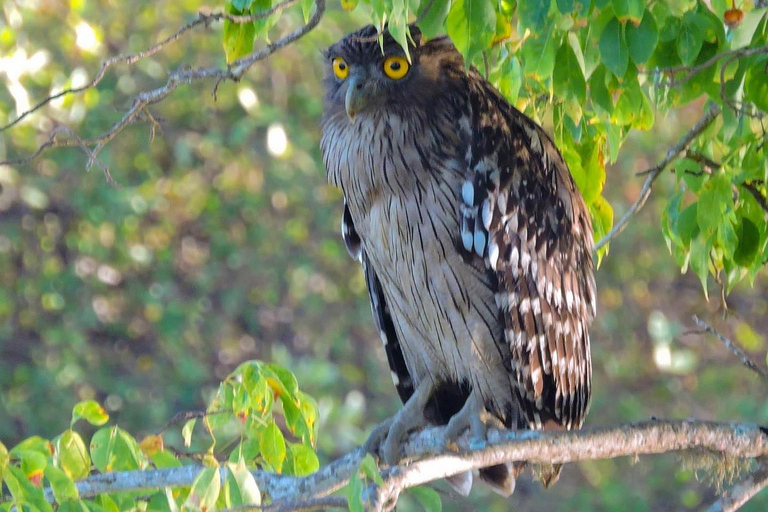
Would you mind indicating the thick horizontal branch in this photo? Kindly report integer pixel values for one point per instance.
(427, 459)
(702, 124)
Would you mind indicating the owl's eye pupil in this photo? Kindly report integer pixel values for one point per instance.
(342, 66)
(394, 66)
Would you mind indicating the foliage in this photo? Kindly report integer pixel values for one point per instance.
(216, 249)
(241, 433)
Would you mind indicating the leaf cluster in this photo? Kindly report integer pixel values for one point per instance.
(244, 430)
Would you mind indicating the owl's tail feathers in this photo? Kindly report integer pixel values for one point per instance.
(461, 483)
(502, 477)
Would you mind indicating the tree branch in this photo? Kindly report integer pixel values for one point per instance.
(654, 172)
(427, 459)
(183, 76)
(739, 494)
(743, 356)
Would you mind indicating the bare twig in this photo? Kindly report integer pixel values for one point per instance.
(709, 116)
(691, 71)
(427, 458)
(738, 352)
(183, 76)
(759, 197)
(735, 497)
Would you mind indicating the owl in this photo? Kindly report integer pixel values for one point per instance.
(474, 242)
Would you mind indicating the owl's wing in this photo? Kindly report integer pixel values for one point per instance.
(381, 314)
(522, 214)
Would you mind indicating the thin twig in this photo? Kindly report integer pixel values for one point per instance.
(738, 352)
(654, 172)
(184, 76)
(202, 19)
(693, 71)
(760, 198)
(735, 497)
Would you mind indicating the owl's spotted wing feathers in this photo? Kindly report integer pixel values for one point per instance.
(521, 213)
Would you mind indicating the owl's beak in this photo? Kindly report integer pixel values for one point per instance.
(358, 96)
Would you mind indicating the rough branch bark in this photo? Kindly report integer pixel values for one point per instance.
(426, 459)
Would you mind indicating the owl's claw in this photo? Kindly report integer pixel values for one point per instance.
(472, 416)
(386, 439)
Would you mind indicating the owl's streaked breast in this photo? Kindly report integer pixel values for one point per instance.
(402, 185)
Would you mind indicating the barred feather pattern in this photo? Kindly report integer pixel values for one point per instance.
(522, 214)
(474, 242)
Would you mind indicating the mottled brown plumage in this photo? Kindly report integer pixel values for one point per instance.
(475, 242)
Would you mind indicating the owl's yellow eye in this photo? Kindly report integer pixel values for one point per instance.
(340, 68)
(396, 67)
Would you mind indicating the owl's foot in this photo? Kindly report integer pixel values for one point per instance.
(473, 416)
(394, 431)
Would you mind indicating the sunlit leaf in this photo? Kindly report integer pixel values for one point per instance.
(63, 486)
(72, 455)
(204, 492)
(304, 459)
(90, 411)
(470, 25)
(272, 446)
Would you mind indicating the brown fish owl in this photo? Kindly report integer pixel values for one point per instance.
(475, 243)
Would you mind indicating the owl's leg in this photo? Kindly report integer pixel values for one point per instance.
(395, 430)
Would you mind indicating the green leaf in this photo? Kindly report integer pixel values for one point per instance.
(186, 431)
(564, 6)
(90, 411)
(307, 6)
(73, 506)
(282, 381)
(165, 459)
(204, 492)
(238, 37)
(642, 39)
(756, 84)
(4, 458)
(602, 222)
(433, 22)
(568, 76)
(354, 493)
(699, 260)
(249, 489)
(370, 469)
(272, 446)
(23, 491)
(714, 198)
(471, 25)
(533, 15)
(72, 455)
(511, 79)
(114, 449)
(613, 48)
(63, 486)
(304, 459)
(539, 54)
(749, 242)
(628, 10)
(397, 25)
(428, 498)
(690, 38)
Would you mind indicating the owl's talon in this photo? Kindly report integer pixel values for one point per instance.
(472, 416)
(377, 436)
(409, 418)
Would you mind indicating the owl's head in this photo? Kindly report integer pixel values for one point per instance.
(363, 76)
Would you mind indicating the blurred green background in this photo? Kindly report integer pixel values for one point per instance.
(222, 244)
